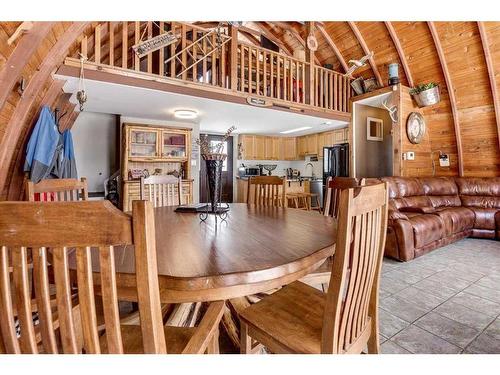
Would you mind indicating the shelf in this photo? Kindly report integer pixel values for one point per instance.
(155, 159)
(178, 146)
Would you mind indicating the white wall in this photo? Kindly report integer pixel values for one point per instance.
(94, 139)
(195, 163)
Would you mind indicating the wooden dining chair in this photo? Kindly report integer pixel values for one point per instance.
(163, 190)
(266, 191)
(301, 319)
(58, 189)
(335, 186)
(85, 232)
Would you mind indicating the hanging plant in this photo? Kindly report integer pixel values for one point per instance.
(426, 94)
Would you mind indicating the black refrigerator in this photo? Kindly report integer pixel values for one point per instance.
(336, 161)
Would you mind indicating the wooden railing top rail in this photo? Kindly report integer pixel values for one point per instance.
(252, 46)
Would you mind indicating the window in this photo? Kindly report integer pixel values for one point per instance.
(374, 129)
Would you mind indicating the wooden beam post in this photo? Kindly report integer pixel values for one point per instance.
(309, 79)
(401, 54)
(233, 57)
(333, 46)
(17, 126)
(366, 51)
(20, 57)
(491, 74)
(451, 94)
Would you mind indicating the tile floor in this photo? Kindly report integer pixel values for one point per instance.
(447, 301)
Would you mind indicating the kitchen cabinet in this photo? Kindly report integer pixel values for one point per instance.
(278, 148)
(247, 145)
(312, 144)
(269, 153)
(302, 145)
(259, 144)
(290, 148)
(142, 143)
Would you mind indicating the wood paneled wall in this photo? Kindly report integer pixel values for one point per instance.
(464, 48)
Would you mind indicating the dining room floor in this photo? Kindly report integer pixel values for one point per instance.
(447, 301)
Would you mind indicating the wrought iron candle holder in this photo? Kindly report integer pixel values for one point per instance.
(220, 210)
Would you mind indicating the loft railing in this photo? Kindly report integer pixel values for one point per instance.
(216, 58)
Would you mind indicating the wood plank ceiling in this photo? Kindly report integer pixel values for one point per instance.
(465, 59)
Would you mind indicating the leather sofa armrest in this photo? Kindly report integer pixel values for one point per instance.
(421, 210)
(396, 215)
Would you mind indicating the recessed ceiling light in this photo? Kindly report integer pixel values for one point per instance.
(185, 113)
(296, 130)
(327, 123)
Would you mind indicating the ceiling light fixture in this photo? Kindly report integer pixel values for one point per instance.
(185, 114)
(296, 130)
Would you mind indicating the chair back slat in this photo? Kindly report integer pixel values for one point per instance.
(162, 190)
(110, 300)
(335, 186)
(22, 290)
(42, 295)
(86, 301)
(352, 298)
(55, 190)
(7, 326)
(64, 302)
(266, 191)
(80, 237)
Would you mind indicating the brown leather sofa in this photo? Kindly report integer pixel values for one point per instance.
(427, 213)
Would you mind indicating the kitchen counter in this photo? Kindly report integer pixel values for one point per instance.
(294, 185)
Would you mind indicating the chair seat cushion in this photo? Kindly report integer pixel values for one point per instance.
(293, 316)
(456, 219)
(427, 228)
(176, 339)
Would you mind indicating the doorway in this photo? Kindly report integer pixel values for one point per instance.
(227, 170)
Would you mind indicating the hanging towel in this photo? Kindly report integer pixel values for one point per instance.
(68, 168)
(44, 147)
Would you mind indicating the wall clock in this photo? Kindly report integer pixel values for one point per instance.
(415, 127)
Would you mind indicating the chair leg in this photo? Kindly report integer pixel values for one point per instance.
(245, 340)
(373, 341)
(213, 346)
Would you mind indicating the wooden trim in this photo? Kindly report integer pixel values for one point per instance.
(366, 51)
(20, 57)
(451, 93)
(402, 56)
(333, 46)
(491, 73)
(17, 123)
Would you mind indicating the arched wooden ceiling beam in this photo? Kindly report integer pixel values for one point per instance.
(267, 32)
(16, 123)
(491, 74)
(295, 34)
(20, 57)
(366, 51)
(451, 93)
(333, 46)
(399, 49)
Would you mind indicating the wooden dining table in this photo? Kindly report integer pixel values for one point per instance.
(254, 250)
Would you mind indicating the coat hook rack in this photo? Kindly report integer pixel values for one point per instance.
(57, 117)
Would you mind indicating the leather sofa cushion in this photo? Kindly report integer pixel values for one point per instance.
(403, 187)
(438, 201)
(439, 186)
(485, 218)
(478, 186)
(421, 210)
(456, 219)
(427, 228)
(483, 201)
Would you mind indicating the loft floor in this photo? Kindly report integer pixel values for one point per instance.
(447, 301)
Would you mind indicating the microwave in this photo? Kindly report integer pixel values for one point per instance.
(252, 171)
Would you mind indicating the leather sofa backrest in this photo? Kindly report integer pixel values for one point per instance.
(406, 192)
(479, 192)
(441, 191)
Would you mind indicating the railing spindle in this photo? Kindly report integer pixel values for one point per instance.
(111, 27)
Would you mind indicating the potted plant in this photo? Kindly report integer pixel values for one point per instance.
(426, 94)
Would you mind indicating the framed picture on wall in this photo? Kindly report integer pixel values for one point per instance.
(374, 129)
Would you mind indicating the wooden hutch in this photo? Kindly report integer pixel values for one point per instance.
(159, 150)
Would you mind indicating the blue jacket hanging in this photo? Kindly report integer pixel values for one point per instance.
(49, 154)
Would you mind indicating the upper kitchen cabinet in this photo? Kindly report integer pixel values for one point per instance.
(259, 145)
(247, 147)
(290, 151)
